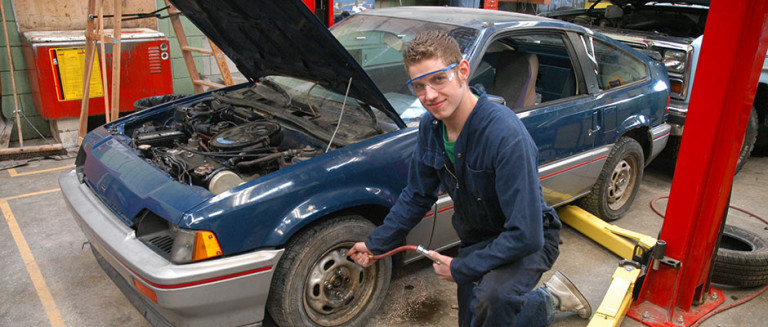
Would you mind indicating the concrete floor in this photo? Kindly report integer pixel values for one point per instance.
(49, 277)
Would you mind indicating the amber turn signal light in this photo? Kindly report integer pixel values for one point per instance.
(206, 246)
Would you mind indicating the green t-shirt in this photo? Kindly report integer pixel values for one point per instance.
(448, 146)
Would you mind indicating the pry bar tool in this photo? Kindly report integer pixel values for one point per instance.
(420, 249)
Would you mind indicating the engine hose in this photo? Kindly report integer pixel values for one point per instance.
(420, 249)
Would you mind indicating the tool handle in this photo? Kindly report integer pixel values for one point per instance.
(420, 249)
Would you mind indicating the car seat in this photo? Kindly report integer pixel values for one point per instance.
(515, 78)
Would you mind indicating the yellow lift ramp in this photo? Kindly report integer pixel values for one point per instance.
(636, 249)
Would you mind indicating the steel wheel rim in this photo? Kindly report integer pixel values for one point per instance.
(622, 183)
(337, 289)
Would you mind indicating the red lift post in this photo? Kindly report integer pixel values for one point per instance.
(736, 37)
(323, 9)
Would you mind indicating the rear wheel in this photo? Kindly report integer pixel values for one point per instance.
(316, 284)
(618, 182)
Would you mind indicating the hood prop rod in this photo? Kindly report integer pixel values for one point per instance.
(341, 114)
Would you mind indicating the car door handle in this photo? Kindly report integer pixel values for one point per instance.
(594, 129)
(596, 122)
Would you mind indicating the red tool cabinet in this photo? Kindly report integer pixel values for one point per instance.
(56, 59)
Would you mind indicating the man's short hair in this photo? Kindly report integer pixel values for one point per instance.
(430, 45)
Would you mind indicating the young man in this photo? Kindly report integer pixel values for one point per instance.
(482, 155)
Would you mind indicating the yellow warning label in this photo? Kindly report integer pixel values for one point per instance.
(69, 68)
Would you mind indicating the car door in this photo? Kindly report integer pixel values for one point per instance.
(561, 116)
(620, 87)
(537, 74)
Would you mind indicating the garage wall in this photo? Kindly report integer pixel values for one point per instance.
(26, 103)
(47, 15)
(37, 16)
(181, 81)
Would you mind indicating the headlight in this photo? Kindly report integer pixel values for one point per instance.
(194, 245)
(675, 60)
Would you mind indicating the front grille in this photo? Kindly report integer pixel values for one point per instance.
(163, 243)
(154, 232)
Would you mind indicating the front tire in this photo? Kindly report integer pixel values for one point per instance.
(316, 284)
(618, 182)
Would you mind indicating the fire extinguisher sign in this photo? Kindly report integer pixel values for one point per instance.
(68, 70)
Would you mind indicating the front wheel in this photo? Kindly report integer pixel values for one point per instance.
(618, 182)
(316, 284)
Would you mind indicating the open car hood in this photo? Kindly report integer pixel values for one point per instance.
(282, 38)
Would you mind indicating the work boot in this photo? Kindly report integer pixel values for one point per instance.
(567, 296)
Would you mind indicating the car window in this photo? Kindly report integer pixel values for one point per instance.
(527, 70)
(377, 44)
(613, 66)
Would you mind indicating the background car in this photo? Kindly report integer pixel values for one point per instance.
(211, 209)
(672, 32)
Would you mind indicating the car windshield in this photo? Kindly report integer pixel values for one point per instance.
(377, 44)
(307, 101)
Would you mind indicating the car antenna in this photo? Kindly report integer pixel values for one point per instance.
(343, 104)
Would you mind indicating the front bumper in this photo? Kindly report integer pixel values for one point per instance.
(228, 291)
(677, 112)
(660, 136)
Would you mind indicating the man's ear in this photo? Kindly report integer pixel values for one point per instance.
(464, 70)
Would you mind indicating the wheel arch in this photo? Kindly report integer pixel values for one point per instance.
(372, 204)
(637, 128)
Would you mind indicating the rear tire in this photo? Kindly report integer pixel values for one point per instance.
(316, 284)
(618, 182)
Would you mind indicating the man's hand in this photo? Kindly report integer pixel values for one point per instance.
(443, 270)
(361, 255)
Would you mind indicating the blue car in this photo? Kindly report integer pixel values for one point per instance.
(218, 208)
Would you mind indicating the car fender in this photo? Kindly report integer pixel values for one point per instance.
(630, 123)
(267, 211)
(325, 204)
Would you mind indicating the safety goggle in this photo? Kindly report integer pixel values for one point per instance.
(437, 80)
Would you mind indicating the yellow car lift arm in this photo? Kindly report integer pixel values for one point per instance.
(618, 298)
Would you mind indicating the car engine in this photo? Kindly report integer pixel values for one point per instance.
(218, 145)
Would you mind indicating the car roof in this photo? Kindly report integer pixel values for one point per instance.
(467, 17)
(479, 19)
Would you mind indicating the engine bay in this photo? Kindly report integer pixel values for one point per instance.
(663, 19)
(219, 145)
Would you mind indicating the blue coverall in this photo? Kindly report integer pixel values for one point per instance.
(509, 236)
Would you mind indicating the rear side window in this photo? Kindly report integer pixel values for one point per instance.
(528, 70)
(613, 66)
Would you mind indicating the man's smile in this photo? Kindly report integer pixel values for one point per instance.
(436, 104)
